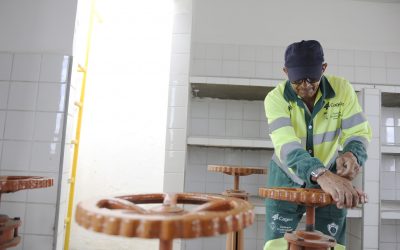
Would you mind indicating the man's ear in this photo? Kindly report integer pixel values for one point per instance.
(324, 65)
(285, 70)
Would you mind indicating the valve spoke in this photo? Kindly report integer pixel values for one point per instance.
(117, 203)
(214, 206)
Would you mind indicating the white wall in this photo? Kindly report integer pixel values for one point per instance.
(37, 26)
(33, 95)
(123, 136)
(35, 49)
(342, 24)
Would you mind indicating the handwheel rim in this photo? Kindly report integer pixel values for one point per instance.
(129, 223)
(10, 184)
(304, 196)
(236, 170)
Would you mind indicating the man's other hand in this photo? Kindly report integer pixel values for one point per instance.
(341, 190)
(347, 166)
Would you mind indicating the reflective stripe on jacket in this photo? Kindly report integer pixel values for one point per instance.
(304, 141)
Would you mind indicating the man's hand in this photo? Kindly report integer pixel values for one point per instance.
(341, 190)
(347, 166)
(363, 196)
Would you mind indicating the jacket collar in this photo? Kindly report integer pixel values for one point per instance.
(325, 88)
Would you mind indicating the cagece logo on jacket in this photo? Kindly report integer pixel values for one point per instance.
(336, 119)
(334, 112)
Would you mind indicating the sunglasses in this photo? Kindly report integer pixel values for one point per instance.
(307, 80)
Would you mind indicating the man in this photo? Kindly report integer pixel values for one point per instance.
(310, 116)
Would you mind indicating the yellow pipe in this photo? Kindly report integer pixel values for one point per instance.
(78, 129)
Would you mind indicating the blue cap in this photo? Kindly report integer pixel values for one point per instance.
(304, 60)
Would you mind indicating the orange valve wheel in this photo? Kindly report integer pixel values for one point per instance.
(9, 184)
(236, 171)
(122, 215)
(308, 239)
(9, 226)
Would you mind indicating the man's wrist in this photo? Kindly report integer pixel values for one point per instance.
(316, 173)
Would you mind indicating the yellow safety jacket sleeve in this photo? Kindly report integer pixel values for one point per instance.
(356, 132)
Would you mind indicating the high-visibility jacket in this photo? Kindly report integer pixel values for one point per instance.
(304, 140)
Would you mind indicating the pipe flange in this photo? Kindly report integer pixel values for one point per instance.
(309, 240)
(9, 231)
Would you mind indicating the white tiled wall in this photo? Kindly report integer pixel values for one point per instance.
(178, 103)
(33, 92)
(371, 103)
(354, 232)
(228, 118)
(237, 60)
(390, 235)
(241, 60)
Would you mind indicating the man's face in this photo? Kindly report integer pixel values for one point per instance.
(307, 88)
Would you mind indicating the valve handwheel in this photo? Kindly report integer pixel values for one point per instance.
(9, 184)
(9, 226)
(236, 171)
(123, 216)
(309, 238)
